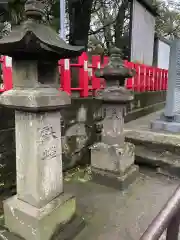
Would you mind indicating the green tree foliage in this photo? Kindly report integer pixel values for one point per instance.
(168, 21)
(109, 19)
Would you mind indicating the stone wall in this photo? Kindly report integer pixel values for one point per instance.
(145, 103)
(79, 131)
(7, 152)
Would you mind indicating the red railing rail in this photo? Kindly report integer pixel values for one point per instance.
(147, 78)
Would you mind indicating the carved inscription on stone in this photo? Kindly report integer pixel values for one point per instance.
(112, 113)
(49, 153)
(112, 132)
(48, 140)
(46, 132)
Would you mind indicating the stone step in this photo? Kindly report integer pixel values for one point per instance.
(159, 150)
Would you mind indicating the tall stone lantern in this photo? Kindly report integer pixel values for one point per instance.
(112, 159)
(40, 206)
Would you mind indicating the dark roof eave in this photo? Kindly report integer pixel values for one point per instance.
(50, 43)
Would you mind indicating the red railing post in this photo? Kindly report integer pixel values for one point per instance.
(159, 78)
(144, 82)
(137, 78)
(163, 79)
(130, 81)
(156, 76)
(96, 64)
(83, 75)
(152, 77)
(148, 79)
(7, 72)
(148, 82)
(65, 75)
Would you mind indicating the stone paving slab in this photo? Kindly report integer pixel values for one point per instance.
(117, 215)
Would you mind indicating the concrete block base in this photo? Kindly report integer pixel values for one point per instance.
(160, 125)
(31, 223)
(114, 179)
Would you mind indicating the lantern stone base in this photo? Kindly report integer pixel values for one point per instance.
(115, 180)
(113, 166)
(50, 222)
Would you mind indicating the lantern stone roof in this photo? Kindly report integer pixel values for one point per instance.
(32, 39)
(115, 68)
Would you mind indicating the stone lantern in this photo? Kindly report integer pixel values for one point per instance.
(40, 207)
(112, 159)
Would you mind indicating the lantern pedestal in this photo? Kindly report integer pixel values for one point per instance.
(112, 159)
(34, 223)
(40, 208)
(113, 166)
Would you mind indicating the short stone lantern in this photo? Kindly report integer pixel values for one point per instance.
(41, 207)
(112, 159)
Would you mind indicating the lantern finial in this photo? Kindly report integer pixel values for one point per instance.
(34, 9)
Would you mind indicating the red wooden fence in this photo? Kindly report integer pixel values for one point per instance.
(147, 78)
(6, 75)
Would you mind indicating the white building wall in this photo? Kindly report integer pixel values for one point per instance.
(143, 29)
(163, 55)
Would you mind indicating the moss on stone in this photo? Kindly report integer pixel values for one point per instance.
(78, 174)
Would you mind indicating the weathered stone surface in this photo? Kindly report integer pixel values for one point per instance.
(71, 157)
(70, 230)
(35, 100)
(164, 125)
(162, 160)
(79, 130)
(161, 152)
(6, 235)
(113, 124)
(113, 214)
(158, 149)
(112, 154)
(171, 141)
(39, 206)
(62, 232)
(112, 158)
(115, 180)
(75, 148)
(32, 223)
(38, 156)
